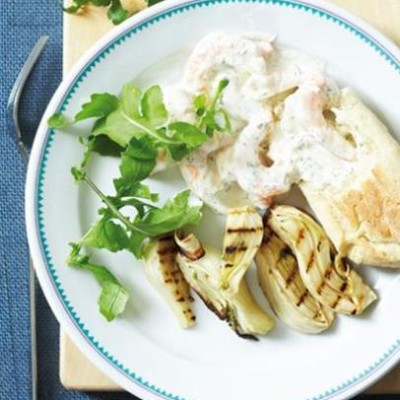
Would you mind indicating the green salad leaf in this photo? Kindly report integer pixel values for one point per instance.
(152, 2)
(153, 107)
(135, 126)
(117, 231)
(104, 146)
(125, 188)
(106, 234)
(211, 116)
(113, 296)
(144, 114)
(137, 114)
(59, 121)
(100, 105)
(116, 13)
(175, 214)
(138, 160)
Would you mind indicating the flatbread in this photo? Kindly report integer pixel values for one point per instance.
(362, 217)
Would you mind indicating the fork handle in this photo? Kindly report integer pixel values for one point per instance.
(32, 308)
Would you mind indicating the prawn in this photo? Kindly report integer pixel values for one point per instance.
(207, 172)
(256, 173)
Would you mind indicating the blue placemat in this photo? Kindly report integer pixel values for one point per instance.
(21, 24)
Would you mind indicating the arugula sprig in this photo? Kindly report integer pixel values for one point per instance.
(100, 105)
(113, 296)
(115, 231)
(116, 13)
(211, 116)
(137, 114)
(136, 127)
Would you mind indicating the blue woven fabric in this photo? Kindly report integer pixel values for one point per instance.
(21, 24)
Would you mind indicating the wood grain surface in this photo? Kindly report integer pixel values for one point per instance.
(81, 32)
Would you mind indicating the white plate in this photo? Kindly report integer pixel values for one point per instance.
(145, 351)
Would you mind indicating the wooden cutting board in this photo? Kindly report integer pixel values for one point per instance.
(80, 32)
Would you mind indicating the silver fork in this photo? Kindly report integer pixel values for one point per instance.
(12, 114)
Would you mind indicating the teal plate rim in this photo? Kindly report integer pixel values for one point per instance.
(320, 11)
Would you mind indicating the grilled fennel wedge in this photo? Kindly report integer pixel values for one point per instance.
(280, 280)
(203, 273)
(164, 274)
(243, 235)
(324, 272)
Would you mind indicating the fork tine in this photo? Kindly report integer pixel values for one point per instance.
(15, 95)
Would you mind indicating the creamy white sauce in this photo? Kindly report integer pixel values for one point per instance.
(317, 152)
(275, 142)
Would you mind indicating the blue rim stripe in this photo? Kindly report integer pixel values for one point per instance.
(101, 54)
